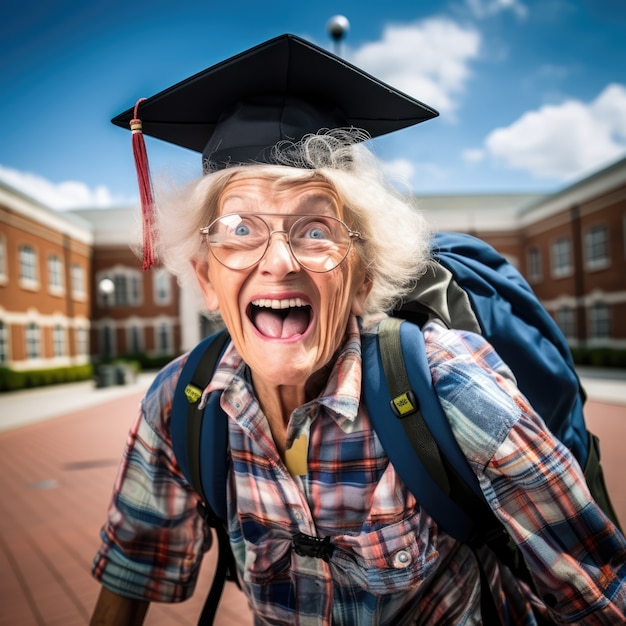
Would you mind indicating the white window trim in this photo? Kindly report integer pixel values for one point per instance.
(53, 289)
(27, 282)
(596, 264)
(4, 261)
(79, 292)
(561, 271)
(535, 277)
(160, 275)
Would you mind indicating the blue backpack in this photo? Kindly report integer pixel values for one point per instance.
(471, 288)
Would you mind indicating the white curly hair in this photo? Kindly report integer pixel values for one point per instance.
(395, 249)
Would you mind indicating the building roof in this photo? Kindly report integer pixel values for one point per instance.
(22, 204)
(471, 212)
(118, 226)
(583, 190)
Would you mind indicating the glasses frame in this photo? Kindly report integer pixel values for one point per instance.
(352, 236)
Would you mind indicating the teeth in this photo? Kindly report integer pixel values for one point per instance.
(287, 303)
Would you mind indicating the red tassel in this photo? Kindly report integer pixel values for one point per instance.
(145, 188)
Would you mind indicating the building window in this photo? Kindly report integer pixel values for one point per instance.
(4, 343)
(535, 273)
(561, 258)
(134, 339)
(162, 287)
(58, 340)
(78, 280)
(126, 292)
(3, 259)
(566, 321)
(164, 339)
(33, 341)
(126, 289)
(28, 267)
(82, 341)
(597, 248)
(55, 274)
(599, 321)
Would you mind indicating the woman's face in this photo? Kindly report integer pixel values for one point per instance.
(286, 322)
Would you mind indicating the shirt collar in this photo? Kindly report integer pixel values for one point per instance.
(342, 392)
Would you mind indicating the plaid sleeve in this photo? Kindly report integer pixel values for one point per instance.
(532, 482)
(153, 539)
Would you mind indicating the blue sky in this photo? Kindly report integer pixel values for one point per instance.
(532, 93)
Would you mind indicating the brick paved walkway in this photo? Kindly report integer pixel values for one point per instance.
(55, 482)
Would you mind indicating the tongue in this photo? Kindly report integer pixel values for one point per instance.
(282, 324)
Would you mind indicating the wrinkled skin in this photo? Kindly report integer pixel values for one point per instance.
(283, 368)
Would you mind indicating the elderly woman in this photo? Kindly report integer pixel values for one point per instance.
(301, 257)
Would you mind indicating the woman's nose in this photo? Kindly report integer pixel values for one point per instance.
(278, 257)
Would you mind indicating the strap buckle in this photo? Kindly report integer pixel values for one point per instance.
(318, 547)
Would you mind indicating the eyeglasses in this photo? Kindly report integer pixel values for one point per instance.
(319, 243)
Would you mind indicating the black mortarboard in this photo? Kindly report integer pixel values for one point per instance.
(282, 89)
(236, 111)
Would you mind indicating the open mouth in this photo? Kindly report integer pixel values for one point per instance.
(280, 319)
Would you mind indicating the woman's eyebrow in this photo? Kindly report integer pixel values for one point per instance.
(236, 199)
(318, 200)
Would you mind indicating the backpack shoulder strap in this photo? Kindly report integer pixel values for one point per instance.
(193, 430)
(401, 400)
(406, 406)
(190, 431)
(415, 432)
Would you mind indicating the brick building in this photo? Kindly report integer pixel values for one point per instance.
(45, 267)
(570, 245)
(71, 289)
(133, 311)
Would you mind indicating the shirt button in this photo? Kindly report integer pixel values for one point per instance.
(298, 515)
(401, 559)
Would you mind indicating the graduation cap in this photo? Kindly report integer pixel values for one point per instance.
(236, 111)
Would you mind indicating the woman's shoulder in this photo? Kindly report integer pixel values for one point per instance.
(157, 402)
(464, 348)
(475, 387)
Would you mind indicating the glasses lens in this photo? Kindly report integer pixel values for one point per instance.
(319, 243)
(238, 241)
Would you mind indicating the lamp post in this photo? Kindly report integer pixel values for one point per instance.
(338, 27)
(106, 288)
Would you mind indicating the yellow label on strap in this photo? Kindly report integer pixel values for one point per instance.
(193, 393)
(403, 404)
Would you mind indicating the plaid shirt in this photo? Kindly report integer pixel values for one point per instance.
(390, 565)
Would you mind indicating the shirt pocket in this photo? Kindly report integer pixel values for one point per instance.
(393, 558)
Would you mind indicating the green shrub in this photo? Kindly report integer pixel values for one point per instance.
(13, 380)
(599, 357)
(146, 362)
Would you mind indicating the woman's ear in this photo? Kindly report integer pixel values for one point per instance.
(360, 296)
(201, 269)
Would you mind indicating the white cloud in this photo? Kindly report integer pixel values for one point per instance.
(398, 170)
(60, 196)
(428, 60)
(567, 140)
(473, 155)
(405, 175)
(486, 8)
